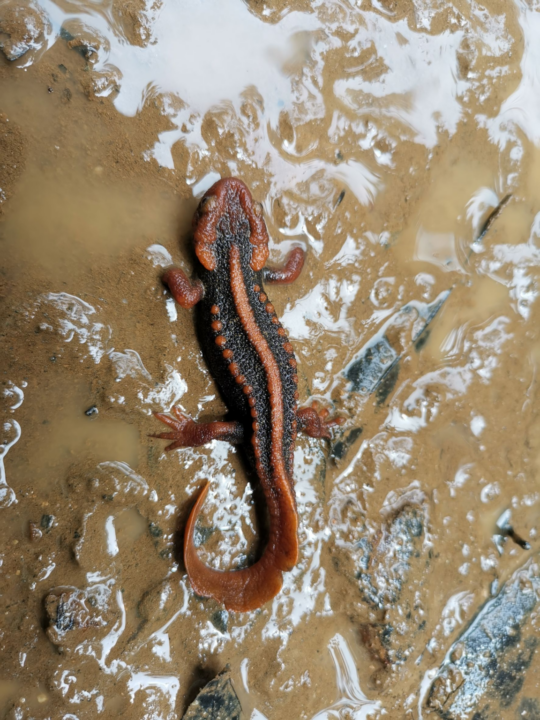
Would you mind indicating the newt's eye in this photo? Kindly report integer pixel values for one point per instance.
(258, 210)
(207, 204)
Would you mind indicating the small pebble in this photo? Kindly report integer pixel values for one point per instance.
(35, 532)
(47, 521)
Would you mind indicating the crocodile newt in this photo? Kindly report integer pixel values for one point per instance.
(250, 356)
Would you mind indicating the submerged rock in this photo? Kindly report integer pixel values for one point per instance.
(75, 615)
(485, 669)
(388, 564)
(216, 701)
(376, 367)
(22, 28)
(345, 442)
(368, 370)
(157, 604)
(384, 579)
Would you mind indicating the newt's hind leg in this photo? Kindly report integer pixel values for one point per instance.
(289, 272)
(313, 421)
(188, 433)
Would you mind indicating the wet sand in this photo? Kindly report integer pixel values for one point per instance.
(380, 137)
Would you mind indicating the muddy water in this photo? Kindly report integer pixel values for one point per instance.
(381, 136)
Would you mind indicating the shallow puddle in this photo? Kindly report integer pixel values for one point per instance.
(398, 143)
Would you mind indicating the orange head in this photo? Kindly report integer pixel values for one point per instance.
(229, 198)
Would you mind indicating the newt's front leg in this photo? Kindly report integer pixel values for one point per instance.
(289, 272)
(188, 433)
(313, 422)
(186, 293)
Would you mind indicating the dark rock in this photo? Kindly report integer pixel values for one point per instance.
(389, 563)
(387, 384)
(342, 446)
(220, 620)
(75, 615)
(216, 701)
(47, 522)
(497, 649)
(385, 568)
(376, 367)
(367, 371)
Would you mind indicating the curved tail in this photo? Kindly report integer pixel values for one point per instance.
(239, 590)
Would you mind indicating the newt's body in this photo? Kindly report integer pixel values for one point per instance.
(250, 356)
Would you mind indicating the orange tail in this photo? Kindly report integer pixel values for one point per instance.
(239, 590)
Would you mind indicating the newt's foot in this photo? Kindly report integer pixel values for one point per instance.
(188, 433)
(314, 421)
(180, 425)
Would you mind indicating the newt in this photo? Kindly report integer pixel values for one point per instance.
(250, 356)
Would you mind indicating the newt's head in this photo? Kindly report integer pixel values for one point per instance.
(229, 204)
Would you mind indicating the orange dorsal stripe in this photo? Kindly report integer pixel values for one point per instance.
(248, 589)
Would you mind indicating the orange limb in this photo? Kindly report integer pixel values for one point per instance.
(186, 293)
(188, 433)
(314, 421)
(289, 272)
